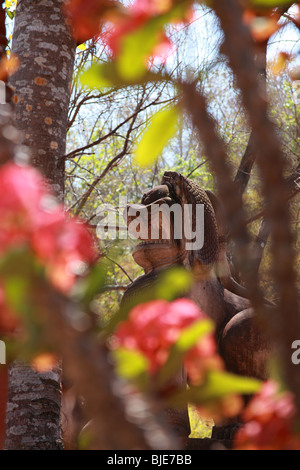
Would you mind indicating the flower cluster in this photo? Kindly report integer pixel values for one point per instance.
(87, 17)
(137, 16)
(154, 327)
(31, 217)
(106, 18)
(268, 421)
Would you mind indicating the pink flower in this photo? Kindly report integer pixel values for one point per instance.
(87, 16)
(268, 421)
(136, 17)
(150, 7)
(21, 191)
(152, 328)
(122, 26)
(65, 246)
(112, 22)
(30, 216)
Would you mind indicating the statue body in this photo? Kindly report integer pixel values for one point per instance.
(243, 346)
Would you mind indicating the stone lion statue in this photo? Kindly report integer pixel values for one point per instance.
(243, 346)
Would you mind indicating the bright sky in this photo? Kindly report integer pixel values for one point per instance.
(287, 39)
(201, 39)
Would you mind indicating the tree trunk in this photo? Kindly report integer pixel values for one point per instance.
(3, 398)
(33, 419)
(46, 50)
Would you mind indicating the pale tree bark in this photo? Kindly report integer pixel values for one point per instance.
(46, 50)
(33, 411)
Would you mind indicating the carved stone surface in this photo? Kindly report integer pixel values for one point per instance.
(243, 346)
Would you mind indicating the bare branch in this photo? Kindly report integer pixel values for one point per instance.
(119, 266)
(111, 133)
(239, 48)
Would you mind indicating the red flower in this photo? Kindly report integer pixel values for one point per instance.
(135, 18)
(268, 421)
(87, 17)
(151, 7)
(22, 190)
(114, 22)
(30, 216)
(66, 247)
(152, 328)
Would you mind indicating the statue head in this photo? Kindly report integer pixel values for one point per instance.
(176, 223)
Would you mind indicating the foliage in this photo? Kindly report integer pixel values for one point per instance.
(268, 421)
(42, 246)
(131, 49)
(159, 337)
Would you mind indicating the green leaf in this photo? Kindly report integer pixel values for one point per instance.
(271, 3)
(130, 66)
(16, 292)
(217, 385)
(171, 284)
(174, 283)
(10, 14)
(106, 75)
(19, 270)
(131, 365)
(188, 338)
(162, 127)
(96, 76)
(136, 49)
(138, 46)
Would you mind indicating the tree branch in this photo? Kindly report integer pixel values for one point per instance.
(82, 149)
(122, 419)
(239, 48)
